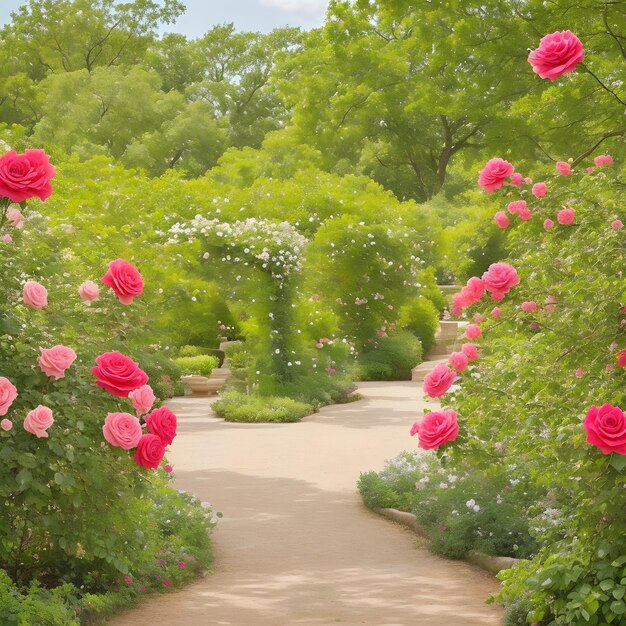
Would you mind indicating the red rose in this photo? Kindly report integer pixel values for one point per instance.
(118, 374)
(124, 279)
(150, 451)
(23, 176)
(621, 358)
(606, 428)
(162, 422)
(436, 429)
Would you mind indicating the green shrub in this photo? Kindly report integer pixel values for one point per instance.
(193, 351)
(164, 373)
(390, 358)
(421, 317)
(201, 365)
(377, 494)
(234, 406)
(318, 389)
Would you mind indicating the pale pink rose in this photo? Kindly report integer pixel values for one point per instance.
(501, 219)
(550, 307)
(473, 331)
(15, 217)
(528, 181)
(579, 373)
(470, 351)
(471, 293)
(548, 224)
(6, 424)
(89, 291)
(552, 299)
(8, 393)
(456, 307)
(558, 53)
(122, 430)
(539, 190)
(437, 382)
(54, 361)
(38, 421)
(35, 295)
(616, 225)
(566, 216)
(603, 159)
(534, 326)
(319, 346)
(493, 175)
(565, 169)
(516, 206)
(478, 318)
(496, 312)
(529, 305)
(516, 179)
(499, 279)
(525, 214)
(458, 361)
(591, 170)
(142, 398)
(6, 238)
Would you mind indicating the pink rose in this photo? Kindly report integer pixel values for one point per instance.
(516, 206)
(539, 190)
(122, 430)
(525, 214)
(54, 361)
(493, 175)
(528, 306)
(456, 307)
(8, 393)
(38, 421)
(150, 451)
(606, 428)
(35, 295)
(591, 170)
(603, 159)
(470, 351)
(118, 374)
(473, 331)
(471, 293)
(23, 176)
(579, 373)
(436, 428)
(168, 468)
(558, 53)
(499, 279)
(142, 398)
(548, 224)
(478, 318)
(437, 382)
(621, 361)
(563, 168)
(6, 424)
(566, 216)
(516, 179)
(15, 217)
(162, 422)
(501, 219)
(496, 312)
(616, 225)
(124, 279)
(89, 291)
(458, 361)
(6, 238)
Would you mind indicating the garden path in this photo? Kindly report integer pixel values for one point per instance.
(296, 545)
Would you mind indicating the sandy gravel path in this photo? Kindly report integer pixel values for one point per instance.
(296, 545)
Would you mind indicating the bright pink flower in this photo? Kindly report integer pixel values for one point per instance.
(168, 469)
(534, 326)
(6, 424)
(122, 430)
(616, 225)
(124, 279)
(128, 580)
(181, 564)
(603, 159)
(24, 176)
(529, 305)
(162, 422)
(54, 361)
(150, 451)
(579, 373)
(565, 169)
(89, 291)
(118, 374)
(548, 224)
(499, 279)
(621, 360)
(606, 428)
(456, 307)
(470, 351)
(493, 175)
(566, 216)
(8, 393)
(167, 582)
(458, 361)
(472, 292)
(142, 588)
(15, 217)
(142, 398)
(516, 206)
(516, 179)
(437, 428)
(496, 312)
(478, 318)
(558, 53)
(35, 295)
(437, 382)
(539, 190)
(473, 331)
(38, 421)
(501, 219)
(525, 214)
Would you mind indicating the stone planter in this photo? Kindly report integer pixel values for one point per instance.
(196, 385)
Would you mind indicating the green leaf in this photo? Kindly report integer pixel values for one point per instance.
(618, 607)
(618, 461)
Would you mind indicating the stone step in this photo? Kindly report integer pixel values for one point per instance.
(419, 372)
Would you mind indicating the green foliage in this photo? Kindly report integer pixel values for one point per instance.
(186, 351)
(234, 406)
(420, 317)
(390, 358)
(201, 365)
(317, 389)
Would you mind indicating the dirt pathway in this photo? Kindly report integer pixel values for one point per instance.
(296, 545)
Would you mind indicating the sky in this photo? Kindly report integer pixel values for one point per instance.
(257, 15)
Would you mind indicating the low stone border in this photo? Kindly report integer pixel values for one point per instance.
(492, 564)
